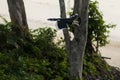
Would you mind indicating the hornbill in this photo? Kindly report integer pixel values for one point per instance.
(64, 22)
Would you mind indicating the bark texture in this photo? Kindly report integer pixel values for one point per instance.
(80, 37)
(65, 31)
(17, 13)
(76, 47)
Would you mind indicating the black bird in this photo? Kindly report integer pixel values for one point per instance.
(64, 22)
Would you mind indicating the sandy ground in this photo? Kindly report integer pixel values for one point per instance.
(39, 10)
(112, 50)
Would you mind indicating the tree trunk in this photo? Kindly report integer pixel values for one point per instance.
(76, 47)
(65, 31)
(80, 37)
(17, 13)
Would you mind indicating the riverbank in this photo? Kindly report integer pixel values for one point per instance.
(112, 50)
(38, 12)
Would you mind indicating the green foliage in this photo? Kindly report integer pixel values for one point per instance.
(96, 68)
(98, 30)
(37, 58)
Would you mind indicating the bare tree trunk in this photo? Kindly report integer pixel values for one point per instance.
(76, 47)
(77, 7)
(17, 13)
(65, 31)
(80, 36)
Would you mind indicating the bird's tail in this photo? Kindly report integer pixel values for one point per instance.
(53, 19)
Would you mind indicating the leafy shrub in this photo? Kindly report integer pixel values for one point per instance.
(37, 58)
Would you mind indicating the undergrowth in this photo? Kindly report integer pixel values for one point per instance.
(39, 58)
